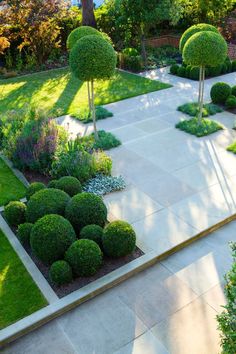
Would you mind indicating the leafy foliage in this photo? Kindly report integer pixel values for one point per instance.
(23, 232)
(195, 29)
(192, 126)
(60, 273)
(92, 232)
(33, 188)
(50, 238)
(231, 102)
(220, 92)
(70, 185)
(192, 109)
(102, 185)
(14, 213)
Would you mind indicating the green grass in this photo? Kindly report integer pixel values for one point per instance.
(206, 127)
(10, 187)
(192, 109)
(59, 93)
(19, 295)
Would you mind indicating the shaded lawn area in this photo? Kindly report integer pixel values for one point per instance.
(59, 93)
(10, 186)
(19, 295)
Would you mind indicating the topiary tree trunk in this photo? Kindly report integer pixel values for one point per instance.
(201, 92)
(93, 110)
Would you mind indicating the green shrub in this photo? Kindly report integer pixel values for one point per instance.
(102, 163)
(194, 73)
(174, 69)
(50, 238)
(132, 63)
(81, 32)
(231, 102)
(86, 209)
(192, 109)
(181, 71)
(188, 71)
(52, 184)
(33, 188)
(106, 141)
(193, 30)
(216, 70)
(118, 239)
(234, 65)
(14, 213)
(224, 68)
(131, 52)
(193, 127)
(46, 201)
(220, 92)
(92, 232)
(85, 257)
(23, 232)
(233, 91)
(60, 273)
(227, 320)
(70, 185)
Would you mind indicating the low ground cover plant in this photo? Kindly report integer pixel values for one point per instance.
(193, 127)
(192, 109)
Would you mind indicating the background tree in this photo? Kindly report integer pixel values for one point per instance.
(93, 58)
(203, 49)
(4, 44)
(88, 17)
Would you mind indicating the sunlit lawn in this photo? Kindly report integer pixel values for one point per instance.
(58, 92)
(19, 295)
(10, 187)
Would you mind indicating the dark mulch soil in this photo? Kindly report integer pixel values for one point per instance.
(109, 264)
(33, 176)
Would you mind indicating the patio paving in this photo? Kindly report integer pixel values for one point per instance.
(169, 308)
(178, 184)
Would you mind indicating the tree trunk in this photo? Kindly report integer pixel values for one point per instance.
(93, 111)
(89, 97)
(88, 18)
(143, 48)
(201, 91)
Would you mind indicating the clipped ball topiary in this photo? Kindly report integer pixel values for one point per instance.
(85, 257)
(50, 238)
(234, 65)
(195, 29)
(46, 201)
(52, 184)
(23, 232)
(33, 188)
(60, 273)
(86, 209)
(188, 70)
(92, 232)
(70, 185)
(181, 71)
(216, 70)
(14, 213)
(92, 58)
(224, 68)
(174, 69)
(231, 102)
(82, 32)
(233, 91)
(220, 92)
(194, 73)
(119, 239)
(205, 49)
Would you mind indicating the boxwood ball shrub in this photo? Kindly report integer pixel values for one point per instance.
(70, 185)
(231, 102)
(33, 188)
(92, 232)
(194, 73)
(195, 29)
(118, 239)
(23, 232)
(52, 184)
(233, 90)
(60, 273)
(234, 65)
(86, 209)
(85, 257)
(79, 33)
(14, 213)
(92, 58)
(181, 71)
(220, 92)
(174, 69)
(50, 238)
(46, 201)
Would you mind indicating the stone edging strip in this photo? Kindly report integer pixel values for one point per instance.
(89, 291)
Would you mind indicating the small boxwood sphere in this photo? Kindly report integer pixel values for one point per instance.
(220, 92)
(174, 69)
(52, 184)
(181, 71)
(86, 209)
(233, 91)
(118, 239)
(70, 185)
(23, 232)
(194, 73)
(33, 188)
(205, 49)
(50, 238)
(79, 33)
(234, 65)
(46, 201)
(231, 102)
(92, 58)
(14, 213)
(85, 257)
(60, 273)
(195, 29)
(188, 70)
(92, 232)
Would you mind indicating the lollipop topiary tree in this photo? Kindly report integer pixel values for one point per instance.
(93, 58)
(204, 48)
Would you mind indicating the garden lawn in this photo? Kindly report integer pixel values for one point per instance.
(10, 186)
(19, 295)
(59, 93)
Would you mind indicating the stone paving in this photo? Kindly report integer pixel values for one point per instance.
(178, 184)
(169, 308)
